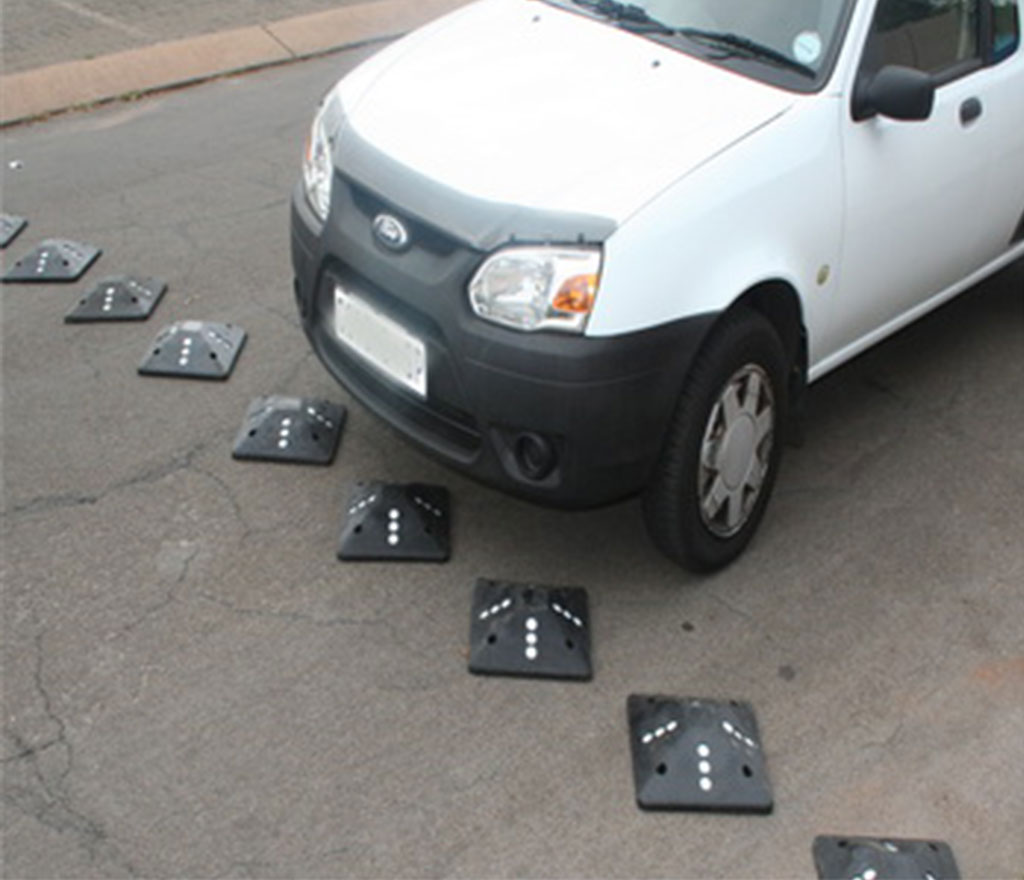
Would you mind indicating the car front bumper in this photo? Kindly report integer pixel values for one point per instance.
(594, 410)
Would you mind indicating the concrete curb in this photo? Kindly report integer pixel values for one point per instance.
(38, 93)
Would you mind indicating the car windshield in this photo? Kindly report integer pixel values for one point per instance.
(787, 42)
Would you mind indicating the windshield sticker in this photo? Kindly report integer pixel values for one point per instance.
(807, 47)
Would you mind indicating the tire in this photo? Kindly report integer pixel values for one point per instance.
(717, 469)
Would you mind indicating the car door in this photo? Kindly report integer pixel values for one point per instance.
(1001, 214)
(913, 188)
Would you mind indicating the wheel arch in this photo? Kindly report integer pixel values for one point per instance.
(779, 302)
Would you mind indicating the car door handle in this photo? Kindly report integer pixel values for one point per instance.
(969, 111)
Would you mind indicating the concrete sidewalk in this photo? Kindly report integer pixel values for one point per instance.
(38, 33)
(33, 94)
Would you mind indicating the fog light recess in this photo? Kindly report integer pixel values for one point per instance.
(535, 455)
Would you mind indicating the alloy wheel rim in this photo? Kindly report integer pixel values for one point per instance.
(735, 452)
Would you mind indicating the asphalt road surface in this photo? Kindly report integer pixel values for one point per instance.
(195, 686)
(40, 32)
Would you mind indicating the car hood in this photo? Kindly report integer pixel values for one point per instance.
(522, 103)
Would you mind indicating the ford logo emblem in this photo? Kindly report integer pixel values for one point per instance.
(391, 232)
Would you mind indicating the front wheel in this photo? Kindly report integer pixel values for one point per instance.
(721, 455)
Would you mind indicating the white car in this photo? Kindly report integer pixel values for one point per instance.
(583, 248)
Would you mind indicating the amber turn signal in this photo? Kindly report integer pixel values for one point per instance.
(576, 295)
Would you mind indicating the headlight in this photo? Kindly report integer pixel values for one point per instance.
(538, 288)
(318, 164)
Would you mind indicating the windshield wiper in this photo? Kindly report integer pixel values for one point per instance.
(635, 18)
(627, 15)
(736, 45)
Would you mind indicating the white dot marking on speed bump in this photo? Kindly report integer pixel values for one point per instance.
(531, 638)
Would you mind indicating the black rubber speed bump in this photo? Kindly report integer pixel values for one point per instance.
(195, 350)
(122, 298)
(398, 523)
(883, 858)
(697, 754)
(529, 630)
(290, 429)
(10, 228)
(54, 260)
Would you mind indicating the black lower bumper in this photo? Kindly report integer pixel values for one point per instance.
(564, 420)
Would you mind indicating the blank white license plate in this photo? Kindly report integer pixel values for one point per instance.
(385, 345)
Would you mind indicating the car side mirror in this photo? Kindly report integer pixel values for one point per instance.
(897, 92)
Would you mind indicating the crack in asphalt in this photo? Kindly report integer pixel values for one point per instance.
(26, 750)
(47, 503)
(37, 679)
(50, 804)
(232, 499)
(168, 600)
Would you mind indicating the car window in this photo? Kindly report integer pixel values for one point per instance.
(1005, 28)
(933, 36)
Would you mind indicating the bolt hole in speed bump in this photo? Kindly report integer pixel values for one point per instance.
(290, 429)
(697, 754)
(10, 228)
(122, 298)
(529, 630)
(882, 858)
(397, 522)
(54, 260)
(194, 350)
